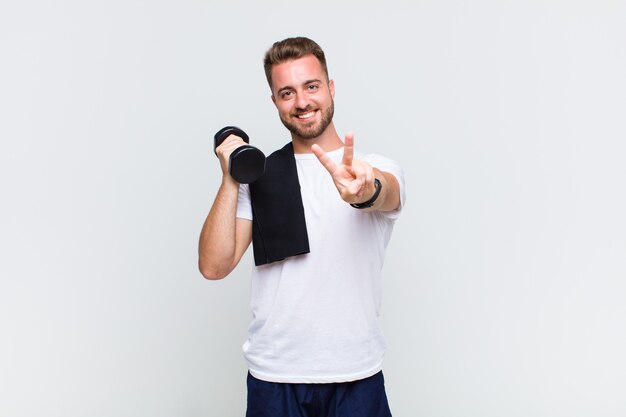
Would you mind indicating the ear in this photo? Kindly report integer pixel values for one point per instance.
(331, 87)
(273, 99)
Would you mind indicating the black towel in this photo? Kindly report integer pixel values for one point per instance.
(278, 224)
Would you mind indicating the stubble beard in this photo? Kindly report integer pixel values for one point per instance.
(313, 131)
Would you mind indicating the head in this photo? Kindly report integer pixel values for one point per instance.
(301, 90)
(290, 49)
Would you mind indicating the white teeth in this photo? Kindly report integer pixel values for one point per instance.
(306, 116)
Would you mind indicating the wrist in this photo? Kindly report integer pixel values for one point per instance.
(369, 203)
(229, 182)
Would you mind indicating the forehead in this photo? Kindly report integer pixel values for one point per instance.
(297, 72)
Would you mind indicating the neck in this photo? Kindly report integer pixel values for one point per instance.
(329, 141)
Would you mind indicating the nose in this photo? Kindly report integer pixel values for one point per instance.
(302, 102)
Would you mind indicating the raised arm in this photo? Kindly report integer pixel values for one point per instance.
(356, 180)
(224, 237)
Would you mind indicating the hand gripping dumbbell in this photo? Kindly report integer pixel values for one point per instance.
(246, 163)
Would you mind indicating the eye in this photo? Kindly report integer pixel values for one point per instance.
(286, 94)
(313, 87)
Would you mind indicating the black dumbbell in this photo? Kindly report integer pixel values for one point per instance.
(246, 163)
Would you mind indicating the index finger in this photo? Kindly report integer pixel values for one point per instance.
(348, 149)
(328, 163)
(230, 143)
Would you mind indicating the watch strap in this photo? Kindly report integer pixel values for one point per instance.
(371, 201)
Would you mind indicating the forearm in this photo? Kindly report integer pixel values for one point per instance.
(218, 243)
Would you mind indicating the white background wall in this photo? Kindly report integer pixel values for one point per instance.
(505, 278)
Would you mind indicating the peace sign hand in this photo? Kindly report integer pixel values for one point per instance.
(354, 179)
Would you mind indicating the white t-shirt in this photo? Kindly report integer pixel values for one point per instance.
(315, 317)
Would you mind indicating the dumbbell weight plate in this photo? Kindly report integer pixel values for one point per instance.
(246, 164)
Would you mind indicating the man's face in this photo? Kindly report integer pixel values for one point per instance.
(303, 96)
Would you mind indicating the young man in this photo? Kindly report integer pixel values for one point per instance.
(319, 219)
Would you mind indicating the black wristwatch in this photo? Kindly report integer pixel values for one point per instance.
(370, 202)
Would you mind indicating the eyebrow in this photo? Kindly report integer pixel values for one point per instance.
(288, 87)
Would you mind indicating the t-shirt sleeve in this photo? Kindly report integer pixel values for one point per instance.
(388, 165)
(244, 205)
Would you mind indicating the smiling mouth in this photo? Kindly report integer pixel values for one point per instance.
(305, 116)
